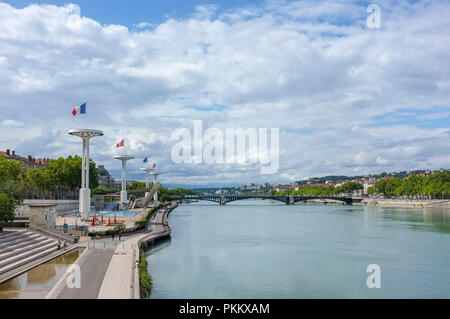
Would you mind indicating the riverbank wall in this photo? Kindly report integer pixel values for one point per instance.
(160, 230)
(406, 202)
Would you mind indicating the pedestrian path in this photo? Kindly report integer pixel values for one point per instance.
(93, 265)
(122, 277)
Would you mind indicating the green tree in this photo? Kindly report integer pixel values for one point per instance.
(59, 176)
(181, 192)
(348, 188)
(165, 197)
(102, 191)
(162, 190)
(11, 187)
(135, 185)
(435, 185)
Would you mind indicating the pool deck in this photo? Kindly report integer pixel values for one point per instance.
(128, 221)
(108, 268)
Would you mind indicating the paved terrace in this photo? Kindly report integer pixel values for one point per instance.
(108, 268)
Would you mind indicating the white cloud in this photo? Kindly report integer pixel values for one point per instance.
(307, 66)
(12, 123)
(144, 25)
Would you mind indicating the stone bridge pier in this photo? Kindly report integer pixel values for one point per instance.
(291, 200)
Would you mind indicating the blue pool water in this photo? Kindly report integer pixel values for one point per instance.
(117, 213)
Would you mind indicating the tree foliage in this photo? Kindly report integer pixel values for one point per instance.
(181, 192)
(55, 180)
(59, 176)
(102, 191)
(136, 185)
(11, 187)
(436, 185)
(321, 190)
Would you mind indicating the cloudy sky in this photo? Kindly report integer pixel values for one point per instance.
(347, 99)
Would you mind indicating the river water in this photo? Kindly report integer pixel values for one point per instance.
(265, 249)
(37, 282)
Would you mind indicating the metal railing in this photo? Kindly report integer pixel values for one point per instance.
(55, 234)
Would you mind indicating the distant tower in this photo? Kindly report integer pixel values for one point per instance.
(85, 192)
(123, 192)
(155, 198)
(147, 178)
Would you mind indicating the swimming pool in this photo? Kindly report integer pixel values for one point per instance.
(117, 213)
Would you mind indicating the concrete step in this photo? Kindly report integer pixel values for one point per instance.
(29, 246)
(18, 235)
(26, 254)
(19, 241)
(10, 233)
(27, 260)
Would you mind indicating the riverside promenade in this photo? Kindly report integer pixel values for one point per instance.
(443, 203)
(109, 268)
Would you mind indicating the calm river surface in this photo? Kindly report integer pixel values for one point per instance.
(37, 282)
(265, 249)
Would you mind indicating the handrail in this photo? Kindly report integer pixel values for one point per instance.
(54, 234)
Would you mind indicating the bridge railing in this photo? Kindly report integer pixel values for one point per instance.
(284, 198)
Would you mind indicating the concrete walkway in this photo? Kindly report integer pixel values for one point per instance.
(93, 265)
(122, 278)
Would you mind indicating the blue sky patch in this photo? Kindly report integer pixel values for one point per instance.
(438, 117)
(132, 12)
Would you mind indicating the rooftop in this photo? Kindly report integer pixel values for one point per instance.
(11, 155)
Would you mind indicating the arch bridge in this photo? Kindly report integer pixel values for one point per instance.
(289, 199)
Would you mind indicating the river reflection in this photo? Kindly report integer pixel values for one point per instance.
(421, 219)
(37, 282)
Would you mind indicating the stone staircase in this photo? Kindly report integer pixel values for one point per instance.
(19, 247)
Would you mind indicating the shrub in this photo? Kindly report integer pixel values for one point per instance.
(118, 228)
(143, 221)
(145, 280)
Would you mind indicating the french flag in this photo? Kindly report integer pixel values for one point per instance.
(121, 144)
(79, 110)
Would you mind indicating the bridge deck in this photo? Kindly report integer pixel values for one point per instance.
(290, 199)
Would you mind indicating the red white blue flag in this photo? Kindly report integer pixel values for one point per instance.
(121, 144)
(79, 110)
